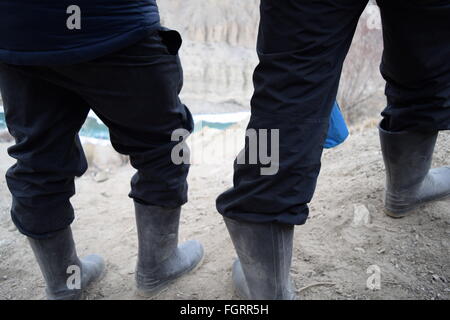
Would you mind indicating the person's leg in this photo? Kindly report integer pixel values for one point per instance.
(135, 92)
(415, 66)
(301, 46)
(44, 119)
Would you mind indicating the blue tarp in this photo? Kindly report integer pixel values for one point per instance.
(338, 131)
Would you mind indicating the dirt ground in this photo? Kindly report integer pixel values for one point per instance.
(332, 251)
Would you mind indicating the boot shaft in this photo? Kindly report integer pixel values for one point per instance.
(57, 259)
(265, 253)
(160, 259)
(407, 157)
(410, 181)
(157, 230)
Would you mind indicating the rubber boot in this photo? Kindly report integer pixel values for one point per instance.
(160, 259)
(409, 180)
(264, 260)
(66, 276)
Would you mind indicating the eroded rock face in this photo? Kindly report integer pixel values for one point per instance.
(218, 52)
(234, 22)
(218, 78)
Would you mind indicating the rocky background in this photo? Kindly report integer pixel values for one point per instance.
(218, 51)
(219, 57)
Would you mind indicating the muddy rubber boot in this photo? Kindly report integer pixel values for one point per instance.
(264, 260)
(60, 266)
(160, 259)
(409, 180)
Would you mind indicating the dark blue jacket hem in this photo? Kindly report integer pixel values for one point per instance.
(76, 55)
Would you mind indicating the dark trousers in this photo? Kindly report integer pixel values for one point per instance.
(134, 91)
(302, 45)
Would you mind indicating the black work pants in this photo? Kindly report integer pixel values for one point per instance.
(134, 91)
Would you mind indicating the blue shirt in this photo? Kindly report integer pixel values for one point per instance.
(36, 32)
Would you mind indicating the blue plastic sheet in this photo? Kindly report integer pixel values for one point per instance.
(338, 131)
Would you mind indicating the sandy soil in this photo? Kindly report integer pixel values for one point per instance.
(332, 252)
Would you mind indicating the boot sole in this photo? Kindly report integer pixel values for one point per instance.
(149, 294)
(407, 212)
(241, 296)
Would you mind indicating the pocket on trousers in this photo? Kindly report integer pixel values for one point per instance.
(171, 39)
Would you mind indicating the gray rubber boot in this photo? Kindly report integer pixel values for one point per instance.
(59, 264)
(160, 259)
(265, 255)
(409, 180)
